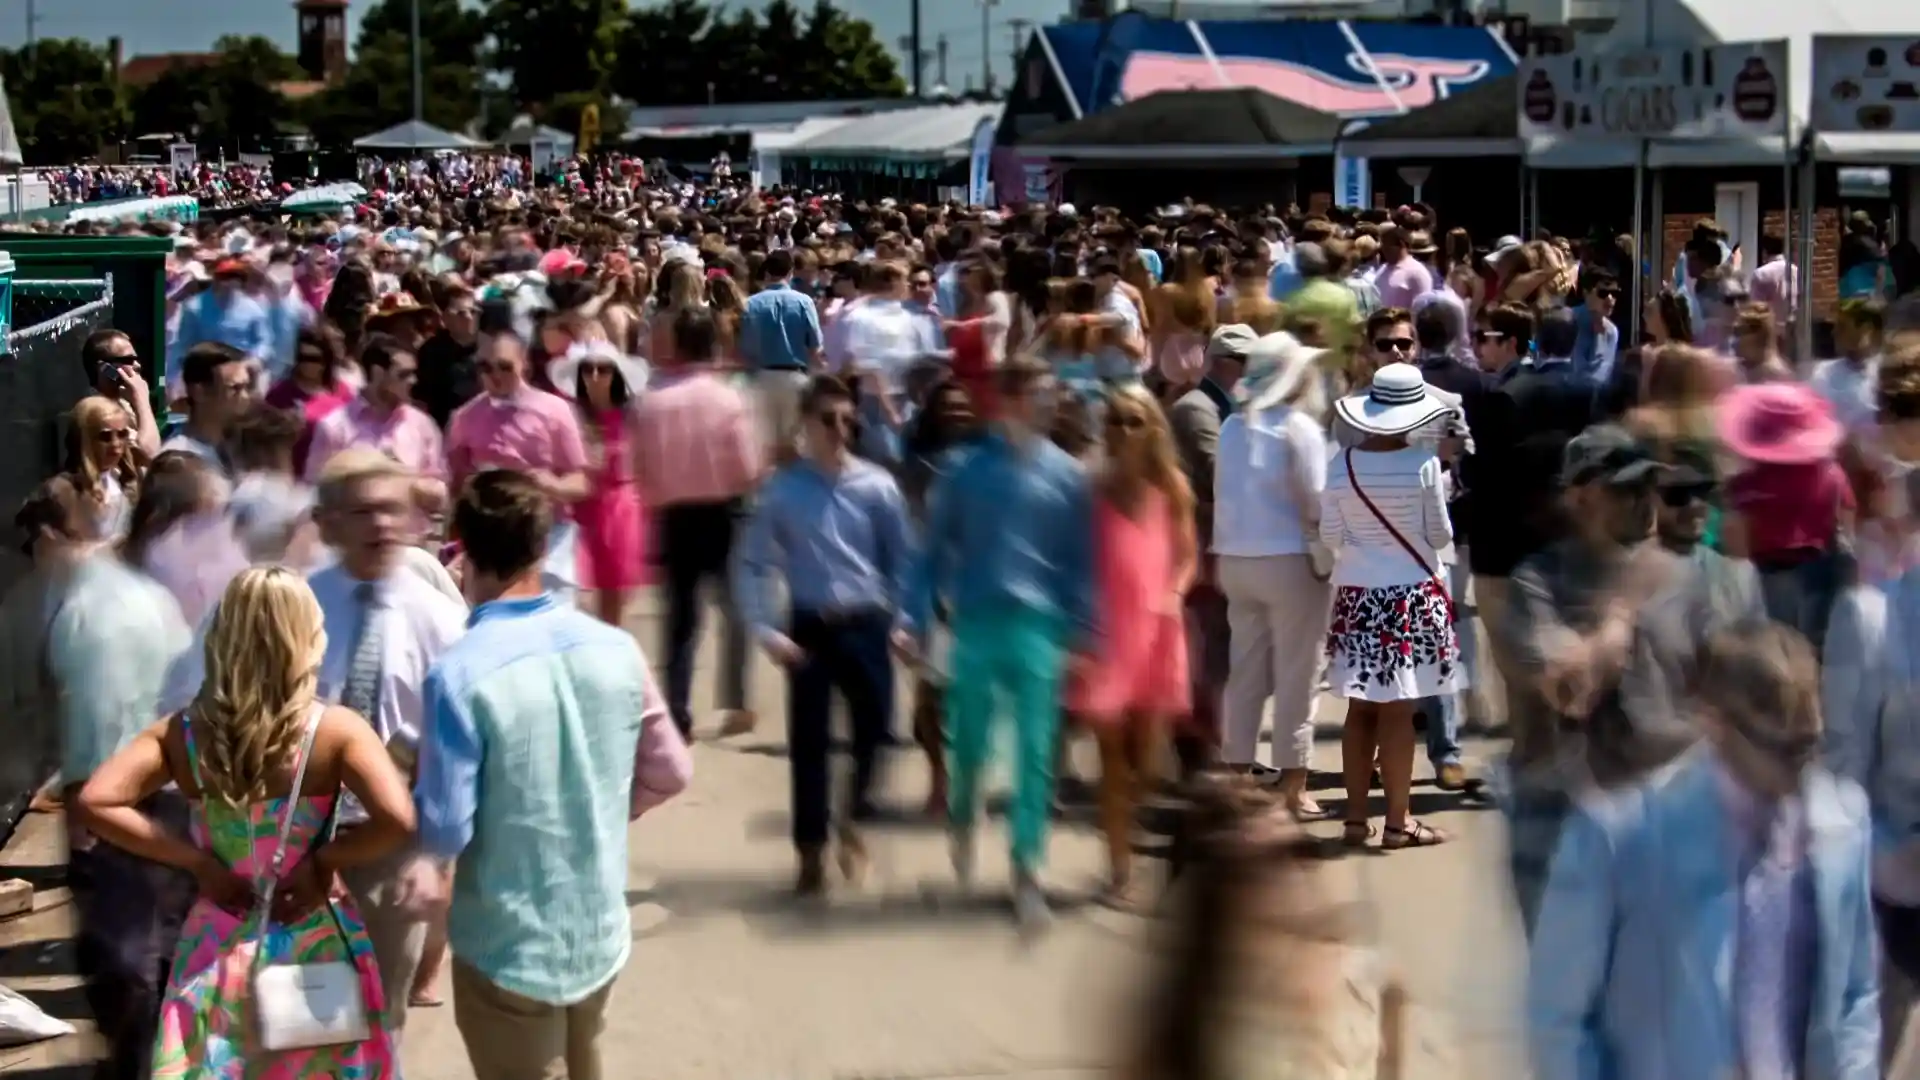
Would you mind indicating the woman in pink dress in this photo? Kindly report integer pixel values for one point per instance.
(603, 381)
(314, 388)
(1145, 556)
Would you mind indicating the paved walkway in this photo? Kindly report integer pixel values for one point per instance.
(900, 979)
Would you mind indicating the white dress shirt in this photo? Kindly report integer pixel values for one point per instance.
(419, 622)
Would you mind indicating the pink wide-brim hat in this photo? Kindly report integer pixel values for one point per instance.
(1779, 424)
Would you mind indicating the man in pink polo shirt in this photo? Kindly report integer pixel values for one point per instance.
(697, 455)
(384, 418)
(511, 425)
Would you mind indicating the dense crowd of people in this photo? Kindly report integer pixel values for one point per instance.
(363, 564)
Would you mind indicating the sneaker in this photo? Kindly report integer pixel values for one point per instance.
(960, 850)
(1030, 909)
(1450, 777)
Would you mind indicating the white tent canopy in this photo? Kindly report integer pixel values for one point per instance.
(1692, 23)
(414, 135)
(525, 132)
(929, 133)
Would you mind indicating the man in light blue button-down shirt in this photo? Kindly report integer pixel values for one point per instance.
(834, 528)
(535, 721)
(780, 342)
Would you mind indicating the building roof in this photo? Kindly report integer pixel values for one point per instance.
(295, 89)
(1213, 122)
(927, 133)
(147, 69)
(752, 115)
(319, 5)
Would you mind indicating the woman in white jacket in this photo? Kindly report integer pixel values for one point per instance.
(1391, 641)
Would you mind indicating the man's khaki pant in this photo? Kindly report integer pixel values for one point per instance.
(510, 1037)
(399, 937)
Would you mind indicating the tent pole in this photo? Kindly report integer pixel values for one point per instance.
(1639, 229)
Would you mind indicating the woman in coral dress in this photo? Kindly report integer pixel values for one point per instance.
(602, 381)
(1145, 556)
(263, 765)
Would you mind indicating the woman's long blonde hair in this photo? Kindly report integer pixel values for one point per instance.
(90, 417)
(1160, 465)
(263, 652)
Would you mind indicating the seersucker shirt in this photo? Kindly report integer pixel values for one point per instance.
(534, 721)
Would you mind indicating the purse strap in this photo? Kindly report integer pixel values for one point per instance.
(1354, 481)
(264, 901)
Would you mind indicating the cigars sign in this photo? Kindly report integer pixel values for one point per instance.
(1710, 92)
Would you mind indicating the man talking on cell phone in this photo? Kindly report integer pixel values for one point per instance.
(113, 370)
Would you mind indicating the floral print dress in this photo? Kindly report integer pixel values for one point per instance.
(206, 1017)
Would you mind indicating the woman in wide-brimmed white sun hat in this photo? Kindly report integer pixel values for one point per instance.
(1391, 641)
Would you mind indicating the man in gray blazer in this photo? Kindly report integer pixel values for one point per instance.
(1195, 419)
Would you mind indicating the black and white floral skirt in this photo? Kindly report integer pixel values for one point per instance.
(1393, 643)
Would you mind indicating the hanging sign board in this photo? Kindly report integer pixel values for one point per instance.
(183, 156)
(1352, 181)
(980, 164)
(1731, 91)
(1865, 83)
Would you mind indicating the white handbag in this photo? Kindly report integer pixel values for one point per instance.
(302, 1006)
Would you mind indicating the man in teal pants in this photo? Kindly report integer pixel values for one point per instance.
(1009, 549)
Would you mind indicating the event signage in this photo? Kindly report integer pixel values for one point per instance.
(1352, 182)
(1865, 83)
(1727, 91)
(980, 163)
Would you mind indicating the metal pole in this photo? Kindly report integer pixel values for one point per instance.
(1639, 226)
(1788, 245)
(419, 88)
(914, 62)
(1809, 191)
(986, 45)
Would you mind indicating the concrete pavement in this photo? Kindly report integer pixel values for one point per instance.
(901, 978)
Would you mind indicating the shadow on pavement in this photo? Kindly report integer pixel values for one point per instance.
(768, 903)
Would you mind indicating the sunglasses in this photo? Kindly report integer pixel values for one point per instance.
(841, 419)
(112, 435)
(1679, 495)
(921, 283)
(1126, 423)
(596, 370)
(1607, 294)
(1393, 344)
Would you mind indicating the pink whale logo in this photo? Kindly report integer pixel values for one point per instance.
(1415, 81)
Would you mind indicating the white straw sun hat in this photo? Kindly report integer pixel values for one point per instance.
(1399, 401)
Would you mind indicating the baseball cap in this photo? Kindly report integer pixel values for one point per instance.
(1608, 454)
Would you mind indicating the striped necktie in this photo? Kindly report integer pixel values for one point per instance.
(362, 690)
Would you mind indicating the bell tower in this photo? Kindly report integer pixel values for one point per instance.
(323, 39)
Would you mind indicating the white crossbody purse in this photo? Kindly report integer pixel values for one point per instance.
(302, 1006)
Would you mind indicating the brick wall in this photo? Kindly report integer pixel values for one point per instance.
(1676, 229)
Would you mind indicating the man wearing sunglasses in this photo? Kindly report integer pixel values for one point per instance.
(1598, 344)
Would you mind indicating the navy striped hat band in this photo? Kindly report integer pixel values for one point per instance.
(1396, 395)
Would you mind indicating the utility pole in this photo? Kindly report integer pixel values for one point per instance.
(419, 88)
(986, 44)
(33, 24)
(1018, 29)
(915, 55)
(940, 60)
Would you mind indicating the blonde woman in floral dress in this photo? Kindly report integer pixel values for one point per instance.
(234, 754)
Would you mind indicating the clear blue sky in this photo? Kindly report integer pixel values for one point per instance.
(155, 26)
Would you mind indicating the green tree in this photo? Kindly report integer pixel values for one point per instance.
(662, 54)
(232, 103)
(841, 58)
(65, 103)
(682, 53)
(547, 48)
(378, 89)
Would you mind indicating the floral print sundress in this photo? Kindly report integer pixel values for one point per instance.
(206, 1018)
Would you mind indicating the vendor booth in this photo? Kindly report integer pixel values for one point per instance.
(917, 155)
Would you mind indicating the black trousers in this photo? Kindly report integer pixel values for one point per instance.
(130, 912)
(696, 544)
(847, 653)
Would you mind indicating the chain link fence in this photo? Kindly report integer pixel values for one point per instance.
(40, 379)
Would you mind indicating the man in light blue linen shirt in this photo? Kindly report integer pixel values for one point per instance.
(834, 528)
(780, 341)
(544, 736)
(224, 313)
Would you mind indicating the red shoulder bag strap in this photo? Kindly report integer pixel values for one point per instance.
(1395, 533)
